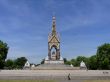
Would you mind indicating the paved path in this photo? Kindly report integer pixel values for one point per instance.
(60, 75)
(70, 81)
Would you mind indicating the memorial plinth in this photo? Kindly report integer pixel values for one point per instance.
(60, 61)
(54, 62)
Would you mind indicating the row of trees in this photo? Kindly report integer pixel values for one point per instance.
(89, 61)
(9, 64)
(15, 64)
(99, 61)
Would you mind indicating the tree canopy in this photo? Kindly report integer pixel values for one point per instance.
(92, 62)
(99, 61)
(15, 64)
(9, 64)
(19, 62)
(3, 53)
(103, 56)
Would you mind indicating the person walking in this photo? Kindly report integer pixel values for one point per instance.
(69, 77)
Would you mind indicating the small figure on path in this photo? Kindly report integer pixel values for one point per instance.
(69, 77)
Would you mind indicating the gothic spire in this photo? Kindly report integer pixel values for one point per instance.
(53, 25)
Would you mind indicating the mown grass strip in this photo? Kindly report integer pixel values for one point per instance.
(97, 81)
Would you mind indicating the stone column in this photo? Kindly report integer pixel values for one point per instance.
(58, 54)
(49, 54)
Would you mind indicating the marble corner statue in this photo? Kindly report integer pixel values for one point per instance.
(27, 65)
(54, 45)
(83, 65)
(33, 65)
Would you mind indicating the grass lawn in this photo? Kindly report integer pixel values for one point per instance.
(97, 81)
(27, 81)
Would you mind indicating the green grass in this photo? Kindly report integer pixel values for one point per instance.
(97, 81)
(27, 81)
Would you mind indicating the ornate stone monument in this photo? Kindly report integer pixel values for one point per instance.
(54, 46)
(54, 61)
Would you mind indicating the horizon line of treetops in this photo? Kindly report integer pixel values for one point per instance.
(99, 61)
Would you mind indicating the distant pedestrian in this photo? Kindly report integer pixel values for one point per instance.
(69, 77)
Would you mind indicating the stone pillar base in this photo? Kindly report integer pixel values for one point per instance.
(53, 62)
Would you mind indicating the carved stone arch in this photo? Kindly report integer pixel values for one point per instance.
(54, 47)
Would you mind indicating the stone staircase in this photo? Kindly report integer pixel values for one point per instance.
(55, 67)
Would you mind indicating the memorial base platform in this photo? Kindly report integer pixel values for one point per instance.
(55, 67)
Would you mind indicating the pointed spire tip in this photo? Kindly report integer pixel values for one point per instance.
(53, 18)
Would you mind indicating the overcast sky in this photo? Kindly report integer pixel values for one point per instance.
(83, 25)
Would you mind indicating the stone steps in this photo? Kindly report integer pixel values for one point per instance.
(55, 67)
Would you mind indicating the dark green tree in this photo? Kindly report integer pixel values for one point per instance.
(103, 56)
(65, 60)
(19, 62)
(3, 53)
(73, 62)
(81, 58)
(105, 64)
(42, 62)
(92, 63)
(9, 64)
(68, 62)
(76, 62)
